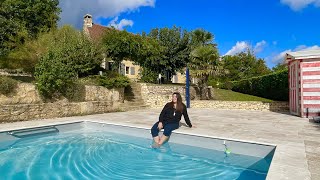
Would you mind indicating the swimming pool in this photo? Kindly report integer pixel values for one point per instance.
(89, 150)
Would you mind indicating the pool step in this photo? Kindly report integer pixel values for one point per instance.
(33, 131)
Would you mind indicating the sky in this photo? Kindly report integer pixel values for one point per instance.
(271, 28)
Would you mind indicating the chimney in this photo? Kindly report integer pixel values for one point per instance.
(87, 21)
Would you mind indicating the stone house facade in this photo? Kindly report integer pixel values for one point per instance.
(128, 68)
(95, 32)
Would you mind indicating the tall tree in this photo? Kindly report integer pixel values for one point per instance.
(22, 19)
(149, 54)
(35, 15)
(204, 59)
(280, 67)
(12, 35)
(201, 37)
(175, 44)
(70, 55)
(120, 45)
(205, 62)
(244, 65)
(26, 56)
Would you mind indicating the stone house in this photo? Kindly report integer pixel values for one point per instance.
(95, 32)
(128, 68)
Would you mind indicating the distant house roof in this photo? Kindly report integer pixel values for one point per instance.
(96, 31)
(306, 54)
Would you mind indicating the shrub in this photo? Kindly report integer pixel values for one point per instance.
(7, 85)
(70, 55)
(148, 76)
(114, 82)
(228, 85)
(273, 86)
(213, 82)
(108, 80)
(121, 81)
(53, 77)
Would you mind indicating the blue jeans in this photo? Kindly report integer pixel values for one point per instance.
(168, 128)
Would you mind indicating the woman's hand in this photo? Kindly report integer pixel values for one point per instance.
(160, 125)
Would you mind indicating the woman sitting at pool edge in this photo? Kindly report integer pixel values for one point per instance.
(169, 119)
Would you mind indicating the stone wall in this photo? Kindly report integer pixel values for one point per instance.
(244, 105)
(156, 96)
(25, 93)
(99, 93)
(26, 104)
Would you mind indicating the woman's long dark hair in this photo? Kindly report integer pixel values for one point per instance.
(179, 102)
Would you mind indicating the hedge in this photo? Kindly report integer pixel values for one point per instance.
(272, 86)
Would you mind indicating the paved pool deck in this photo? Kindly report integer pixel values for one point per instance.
(297, 155)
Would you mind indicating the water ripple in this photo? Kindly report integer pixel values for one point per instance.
(105, 156)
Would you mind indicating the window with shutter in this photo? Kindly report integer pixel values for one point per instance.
(132, 71)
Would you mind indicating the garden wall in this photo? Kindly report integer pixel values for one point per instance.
(156, 96)
(26, 104)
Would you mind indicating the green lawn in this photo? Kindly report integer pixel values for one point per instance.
(228, 95)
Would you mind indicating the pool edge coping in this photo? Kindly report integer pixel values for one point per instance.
(139, 127)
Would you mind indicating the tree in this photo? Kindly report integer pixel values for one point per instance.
(204, 59)
(149, 55)
(12, 35)
(175, 45)
(35, 15)
(244, 65)
(26, 56)
(22, 19)
(204, 62)
(280, 67)
(77, 50)
(201, 37)
(71, 55)
(120, 45)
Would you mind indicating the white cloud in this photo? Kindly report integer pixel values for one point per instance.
(259, 46)
(239, 47)
(279, 58)
(123, 23)
(243, 46)
(274, 42)
(297, 5)
(74, 10)
(304, 47)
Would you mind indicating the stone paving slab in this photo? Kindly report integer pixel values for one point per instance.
(297, 155)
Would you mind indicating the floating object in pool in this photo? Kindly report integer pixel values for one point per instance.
(226, 150)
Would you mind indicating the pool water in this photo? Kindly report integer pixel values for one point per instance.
(108, 155)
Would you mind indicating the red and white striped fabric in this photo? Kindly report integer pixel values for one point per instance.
(310, 88)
